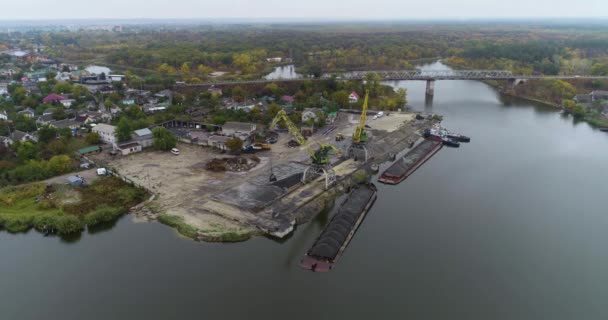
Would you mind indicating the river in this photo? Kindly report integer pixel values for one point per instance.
(511, 226)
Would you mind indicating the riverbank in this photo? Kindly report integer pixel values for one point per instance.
(65, 210)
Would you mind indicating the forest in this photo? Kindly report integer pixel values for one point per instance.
(241, 50)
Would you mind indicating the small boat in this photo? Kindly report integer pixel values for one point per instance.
(448, 142)
(604, 129)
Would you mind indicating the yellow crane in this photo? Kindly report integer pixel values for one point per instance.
(360, 135)
(319, 157)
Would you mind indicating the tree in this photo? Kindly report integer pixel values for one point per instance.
(235, 145)
(23, 123)
(401, 97)
(62, 87)
(27, 151)
(93, 138)
(123, 130)
(204, 70)
(163, 139)
(185, 69)
(46, 134)
(341, 98)
(80, 91)
(578, 111)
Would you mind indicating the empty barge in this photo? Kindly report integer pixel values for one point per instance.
(332, 242)
(409, 163)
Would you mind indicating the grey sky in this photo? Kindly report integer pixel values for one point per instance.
(363, 9)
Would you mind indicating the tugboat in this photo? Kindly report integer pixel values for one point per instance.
(449, 139)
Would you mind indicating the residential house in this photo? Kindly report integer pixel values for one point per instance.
(106, 133)
(3, 88)
(22, 136)
(3, 115)
(6, 141)
(67, 102)
(233, 128)
(45, 119)
(53, 98)
(72, 124)
(128, 148)
(288, 99)
(218, 142)
(599, 95)
(311, 114)
(144, 137)
(165, 94)
(583, 98)
(353, 97)
(32, 88)
(116, 77)
(128, 101)
(28, 112)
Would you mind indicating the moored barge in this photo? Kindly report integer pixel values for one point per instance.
(409, 163)
(331, 243)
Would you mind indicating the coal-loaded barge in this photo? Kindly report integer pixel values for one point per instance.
(332, 242)
(409, 163)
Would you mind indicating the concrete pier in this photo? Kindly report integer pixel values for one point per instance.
(430, 87)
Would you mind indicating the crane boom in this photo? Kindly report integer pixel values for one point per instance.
(360, 135)
(321, 156)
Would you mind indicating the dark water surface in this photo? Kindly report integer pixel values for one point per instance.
(511, 226)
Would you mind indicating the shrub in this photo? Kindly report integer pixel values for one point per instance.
(103, 213)
(68, 224)
(45, 221)
(16, 224)
(179, 224)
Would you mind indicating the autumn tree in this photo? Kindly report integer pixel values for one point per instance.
(235, 145)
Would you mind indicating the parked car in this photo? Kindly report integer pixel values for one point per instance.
(272, 140)
(85, 165)
(175, 151)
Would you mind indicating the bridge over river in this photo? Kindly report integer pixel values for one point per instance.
(430, 76)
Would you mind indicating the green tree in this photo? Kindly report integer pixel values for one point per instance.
(93, 138)
(46, 134)
(23, 123)
(235, 145)
(59, 164)
(27, 151)
(163, 139)
(578, 111)
(123, 130)
(62, 87)
(401, 97)
(80, 91)
(341, 98)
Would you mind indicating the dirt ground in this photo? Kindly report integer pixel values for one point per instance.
(184, 187)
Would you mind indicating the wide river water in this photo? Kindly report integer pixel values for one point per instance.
(513, 225)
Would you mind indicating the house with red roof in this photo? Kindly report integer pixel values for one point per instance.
(53, 98)
(353, 97)
(288, 99)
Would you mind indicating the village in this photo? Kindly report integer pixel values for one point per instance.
(209, 157)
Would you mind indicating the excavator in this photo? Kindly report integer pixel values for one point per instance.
(320, 158)
(360, 136)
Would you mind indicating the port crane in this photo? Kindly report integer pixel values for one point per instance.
(320, 158)
(360, 136)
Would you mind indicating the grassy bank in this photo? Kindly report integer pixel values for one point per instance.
(64, 210)
(216, 234)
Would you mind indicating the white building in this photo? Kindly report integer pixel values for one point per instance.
(3, 115)
(106, 133)
(353, 97)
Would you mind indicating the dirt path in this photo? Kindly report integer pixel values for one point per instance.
(89, 176)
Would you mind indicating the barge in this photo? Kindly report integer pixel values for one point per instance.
(413, 160)
(331, 243)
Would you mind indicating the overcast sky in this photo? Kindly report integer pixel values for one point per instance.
(358, 9)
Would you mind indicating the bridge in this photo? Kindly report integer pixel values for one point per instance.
(430, 76)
